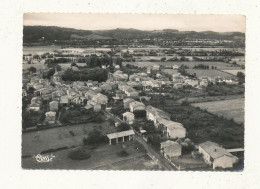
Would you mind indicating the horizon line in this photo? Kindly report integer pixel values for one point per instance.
(137, 29)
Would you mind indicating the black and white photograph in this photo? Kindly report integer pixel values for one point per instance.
(133, 92)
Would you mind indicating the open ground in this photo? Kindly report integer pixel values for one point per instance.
(231, 109)
(104, 157)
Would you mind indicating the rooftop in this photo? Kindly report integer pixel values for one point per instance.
(120, 134)
(214, 150)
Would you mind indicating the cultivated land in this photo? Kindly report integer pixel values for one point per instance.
(39, 49)
(104, 157)
(210, 73)
(60, 137)
(191, 64)
(234, 72)
(230, 109)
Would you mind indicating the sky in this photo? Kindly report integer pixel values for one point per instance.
(182, 22)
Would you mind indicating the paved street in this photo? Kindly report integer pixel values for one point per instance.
(162, 162)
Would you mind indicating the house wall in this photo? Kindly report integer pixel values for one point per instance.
(172, 151)
(205, 155)
(223, 162)
(177, 133)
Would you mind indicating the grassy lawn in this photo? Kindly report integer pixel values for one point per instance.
(210, 73)
(60, 137)
(233, 108)
(104, 157)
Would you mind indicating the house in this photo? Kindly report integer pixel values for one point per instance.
(171, 129)
(97, 107)
(153, 114)
(90, 94)
(175, 67)
(156, 67)
(170, 149)
(103, 66)
(64, 100)
(50, 117)
(35, 107)
(133, 106)
(128, 117)
(100, 99)
(54, 106)
(192, 82)
(36, 100)
(117, 66)
(127, 101)
(106, 87)
(216, 156)
(131, 92)
(119, 95)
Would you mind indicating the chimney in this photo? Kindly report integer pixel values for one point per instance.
(215, 150)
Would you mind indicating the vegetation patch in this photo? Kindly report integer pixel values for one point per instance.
(79, 154)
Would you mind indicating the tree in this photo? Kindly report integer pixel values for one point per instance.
(32, 69)
(123, 127)
(163, 59)
(94, 138)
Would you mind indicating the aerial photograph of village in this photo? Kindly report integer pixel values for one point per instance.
(133, 92)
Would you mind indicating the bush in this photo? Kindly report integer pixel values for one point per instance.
(122, 153)
(94, 138)
(123, 127)
(79, 154)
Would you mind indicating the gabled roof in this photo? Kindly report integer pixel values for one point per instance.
(214, 150)
(157, 112)
(171, 125)
(168, 143)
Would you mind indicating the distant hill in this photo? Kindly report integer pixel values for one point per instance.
(51, 33)
(89, 37)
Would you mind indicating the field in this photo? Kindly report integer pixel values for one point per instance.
(230, 109)
(191, 64)
(210, 73)
(39, 49)
(104, 157)
(59, 137)
(234, 72)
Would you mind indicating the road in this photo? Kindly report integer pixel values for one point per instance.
(162, 162)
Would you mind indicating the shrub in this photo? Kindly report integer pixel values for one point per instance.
(122, 153)
(79, 154)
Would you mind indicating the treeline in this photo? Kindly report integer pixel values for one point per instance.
(95, 74)
(201, 66)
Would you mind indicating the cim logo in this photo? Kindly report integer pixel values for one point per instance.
(44, 158)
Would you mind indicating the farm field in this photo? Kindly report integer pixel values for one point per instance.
(230, 109)
(191, 64)
(104, 157)
(39, 49)
(210, 73)
(233, 72)
(59, 137)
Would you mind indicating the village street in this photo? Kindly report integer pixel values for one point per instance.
(163, 163)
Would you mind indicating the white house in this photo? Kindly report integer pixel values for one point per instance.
(133, 106)
(128, 117)
(54, 106)
(153, 114)
(216, 156)
(127, 101)
(172, 129)
(50, 117)
(170, 149)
